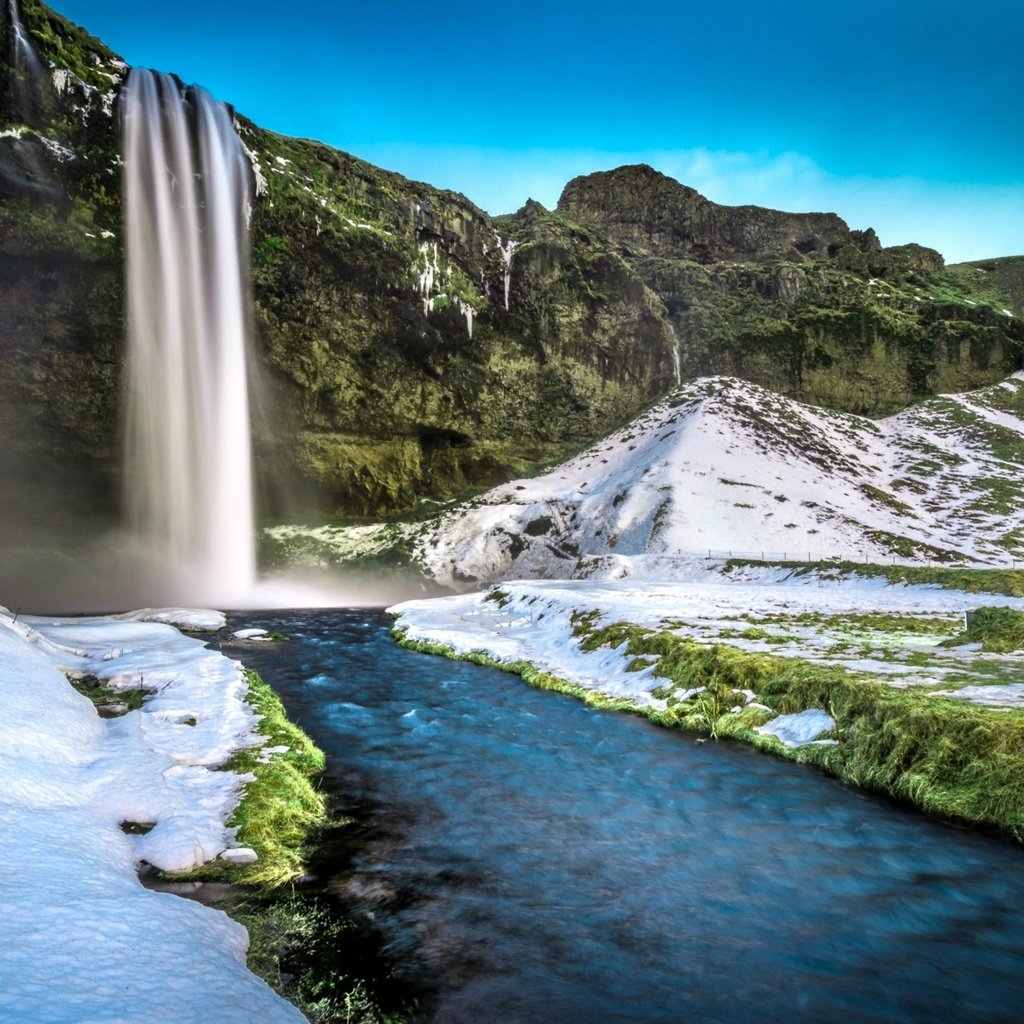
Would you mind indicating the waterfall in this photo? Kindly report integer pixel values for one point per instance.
(676, 367)
(507, 250)
(26, 60)
(28, 84)
(188, 461)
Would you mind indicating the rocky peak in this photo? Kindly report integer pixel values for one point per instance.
(648, 213)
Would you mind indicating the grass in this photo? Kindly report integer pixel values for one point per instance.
(887, 499)
(109, 703)
(303, 945)
(948, 757)
(862, 622)
(333, 968)
(280, 808)
(998, 630)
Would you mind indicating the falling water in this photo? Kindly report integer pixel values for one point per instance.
(507, 250)
(30, 89)
(677, 369)
(26, 60)
(188, 452)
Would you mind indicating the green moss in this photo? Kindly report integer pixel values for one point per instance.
(860, 622)
(280, 808)
(887, 499)
(109, 702)
(755, 633)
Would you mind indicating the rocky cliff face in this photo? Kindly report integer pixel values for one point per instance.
(650, 214)
(417, 347)
(411, 346)
(800, 303)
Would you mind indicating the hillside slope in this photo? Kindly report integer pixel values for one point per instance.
(722, 466)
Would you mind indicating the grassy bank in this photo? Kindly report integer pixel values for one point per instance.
(302, 941)
(281, 809)
(948, 757)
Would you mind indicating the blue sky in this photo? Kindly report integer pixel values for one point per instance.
(902, 116)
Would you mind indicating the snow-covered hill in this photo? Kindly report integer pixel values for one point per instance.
(723, 466)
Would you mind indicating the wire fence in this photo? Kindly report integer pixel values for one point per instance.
(851, 557)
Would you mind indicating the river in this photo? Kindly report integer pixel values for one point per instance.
(540, 861)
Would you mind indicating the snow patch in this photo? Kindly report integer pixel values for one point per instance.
(810, 726)
(723, 468)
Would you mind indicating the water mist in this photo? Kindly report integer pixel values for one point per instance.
(188, 458)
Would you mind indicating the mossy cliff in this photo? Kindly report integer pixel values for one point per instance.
(393, 359)
(61, 319)
(801, 304)
(413, 346)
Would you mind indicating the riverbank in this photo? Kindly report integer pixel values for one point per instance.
(876, 684)
(84, 800)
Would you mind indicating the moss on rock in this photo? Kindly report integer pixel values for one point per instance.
(411, 345)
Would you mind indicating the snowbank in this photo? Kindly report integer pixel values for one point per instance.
(83, 940)
(721, 465)
(813, 618)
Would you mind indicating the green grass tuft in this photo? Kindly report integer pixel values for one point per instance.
(109, 702)
(998, 630)
(332, 967)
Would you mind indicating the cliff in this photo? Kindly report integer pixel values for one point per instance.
(410, 345)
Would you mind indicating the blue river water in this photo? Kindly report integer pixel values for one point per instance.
(546, 862)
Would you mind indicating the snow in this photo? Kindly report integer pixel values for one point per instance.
(797, 730)
(808, 616)
(723, 467)
(84, 941)
(196, 619)
(1009, 696)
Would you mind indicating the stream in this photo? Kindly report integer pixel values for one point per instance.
(535, 860)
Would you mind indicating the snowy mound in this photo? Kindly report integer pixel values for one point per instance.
(723, 467)
(84, 940)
